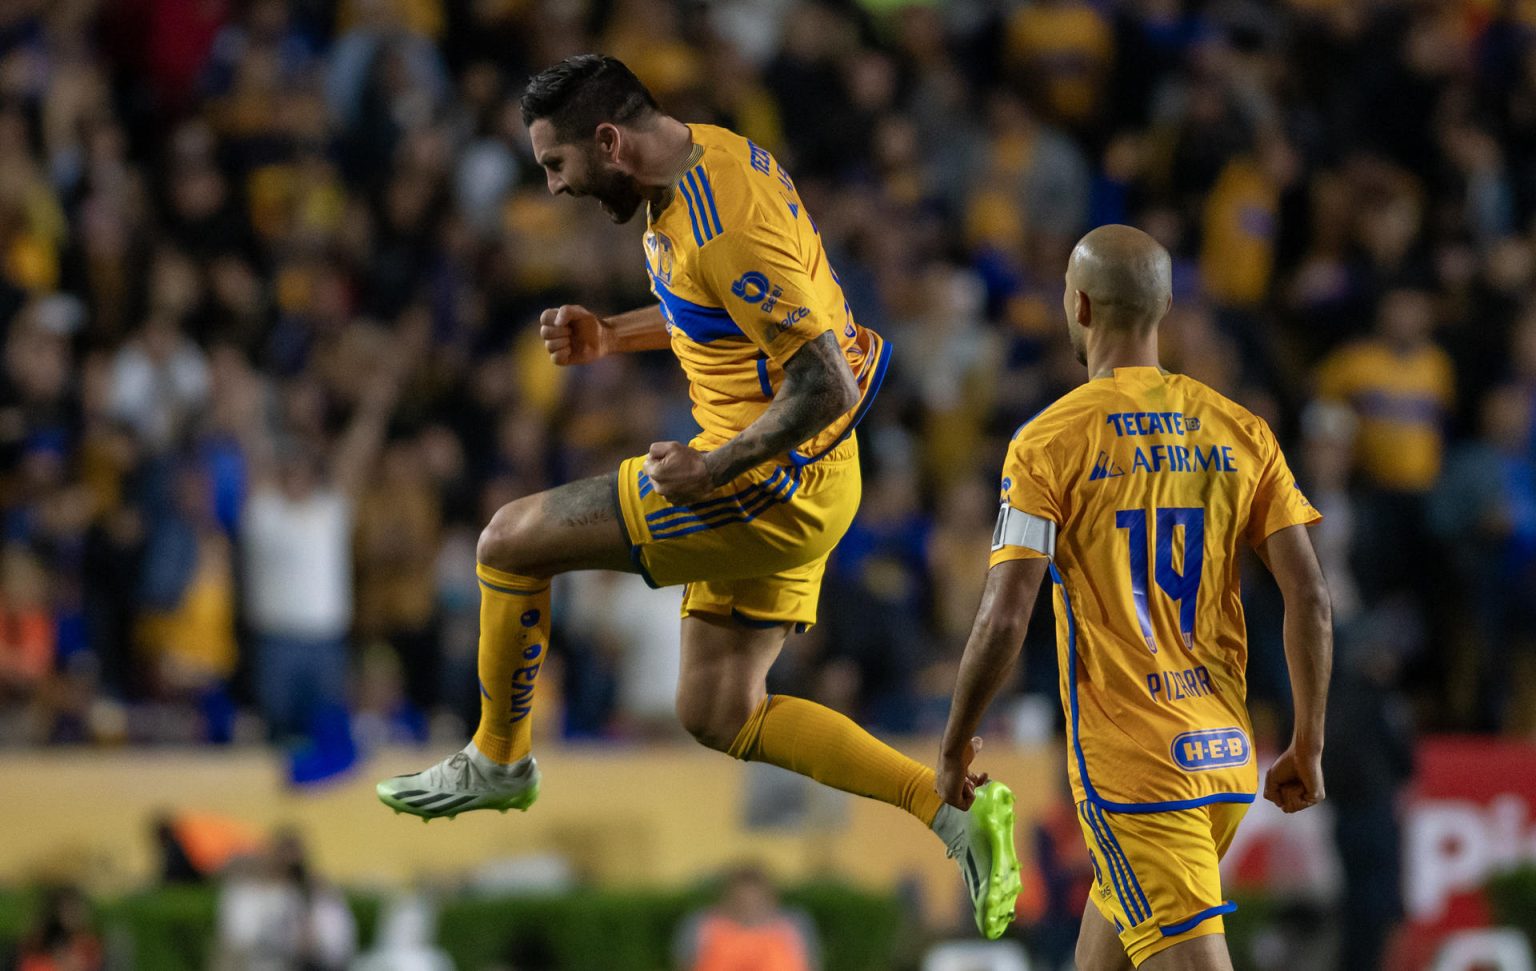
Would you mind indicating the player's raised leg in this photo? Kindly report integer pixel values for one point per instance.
(722, 701)
(571, 527)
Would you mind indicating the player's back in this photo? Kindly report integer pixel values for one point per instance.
(1155, 483)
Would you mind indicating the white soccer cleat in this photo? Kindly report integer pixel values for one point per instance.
(988, 863)
(461, 783)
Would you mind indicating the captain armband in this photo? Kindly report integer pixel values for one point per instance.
(1016, 527)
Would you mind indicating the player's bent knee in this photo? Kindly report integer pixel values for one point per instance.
(509, 539)
(706, 727)
(712, 723)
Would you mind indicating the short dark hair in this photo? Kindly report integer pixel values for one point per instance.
(584, 91)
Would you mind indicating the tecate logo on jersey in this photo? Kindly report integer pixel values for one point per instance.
(1211, 748)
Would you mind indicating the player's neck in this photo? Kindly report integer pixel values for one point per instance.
(1119, 351)
(662, 153)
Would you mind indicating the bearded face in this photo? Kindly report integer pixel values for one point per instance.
(615, 191)
(581, 169)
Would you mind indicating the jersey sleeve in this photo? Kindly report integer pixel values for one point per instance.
(1031, 511)
(1278, 501)
(755, 271)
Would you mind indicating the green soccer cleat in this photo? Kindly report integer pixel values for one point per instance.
(462, 783)
(988, 863)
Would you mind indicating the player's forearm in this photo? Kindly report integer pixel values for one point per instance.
(997, 634)
(637, 330)
(818, 389)
(989, 657)
(1309, 657)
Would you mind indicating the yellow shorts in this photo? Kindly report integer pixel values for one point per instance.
(757, 547)
(1156, 876)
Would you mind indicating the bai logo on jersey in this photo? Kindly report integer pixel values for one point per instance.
(755, 289)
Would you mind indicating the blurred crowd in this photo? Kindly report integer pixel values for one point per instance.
(269, 271)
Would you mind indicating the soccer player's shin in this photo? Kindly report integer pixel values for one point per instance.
(514, 637)
(816, 741)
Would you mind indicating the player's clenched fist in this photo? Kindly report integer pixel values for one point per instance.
(573, 335)
(679, 473)
(1295, 781)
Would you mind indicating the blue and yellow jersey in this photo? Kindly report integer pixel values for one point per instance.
(744, 282)
(1403, 400)
(1142, 487)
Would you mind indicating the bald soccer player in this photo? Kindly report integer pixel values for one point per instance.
(1135, 492)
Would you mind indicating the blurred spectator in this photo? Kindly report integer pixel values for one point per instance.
(186, 628)
(407, 930)
(1328, 445)
(1485, 511)
(277, 915)
(1368, 761)
(748, 930)
(1399, 383)
(194, 847)
(61, 938)
(297, 534)
(399, 527)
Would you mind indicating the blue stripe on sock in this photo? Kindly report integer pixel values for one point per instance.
(514, 591)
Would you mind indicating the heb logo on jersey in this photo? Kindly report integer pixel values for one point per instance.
(1211, 748)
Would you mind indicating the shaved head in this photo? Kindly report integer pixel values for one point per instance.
(1119, 279)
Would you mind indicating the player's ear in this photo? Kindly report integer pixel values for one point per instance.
(608, 138)
(1082, 308)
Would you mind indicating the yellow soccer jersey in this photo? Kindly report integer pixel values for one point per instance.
(744, 282)
(1140, 487)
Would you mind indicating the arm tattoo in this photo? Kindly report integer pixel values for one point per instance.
(818, 389)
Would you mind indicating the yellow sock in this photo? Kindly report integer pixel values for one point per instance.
(816, 741)
(514, 636)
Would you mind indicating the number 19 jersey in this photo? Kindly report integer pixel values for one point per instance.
(1141, 487)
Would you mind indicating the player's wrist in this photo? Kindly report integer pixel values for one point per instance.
(1307, 743)
(607, 337)
(712, 468)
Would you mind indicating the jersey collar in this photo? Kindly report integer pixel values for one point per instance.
(655, 209)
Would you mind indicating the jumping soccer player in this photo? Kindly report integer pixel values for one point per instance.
(746, 514)
(1134, 492)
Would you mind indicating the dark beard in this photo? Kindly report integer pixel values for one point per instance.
(619, 196)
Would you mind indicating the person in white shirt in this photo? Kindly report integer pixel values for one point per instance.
(296, 537)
